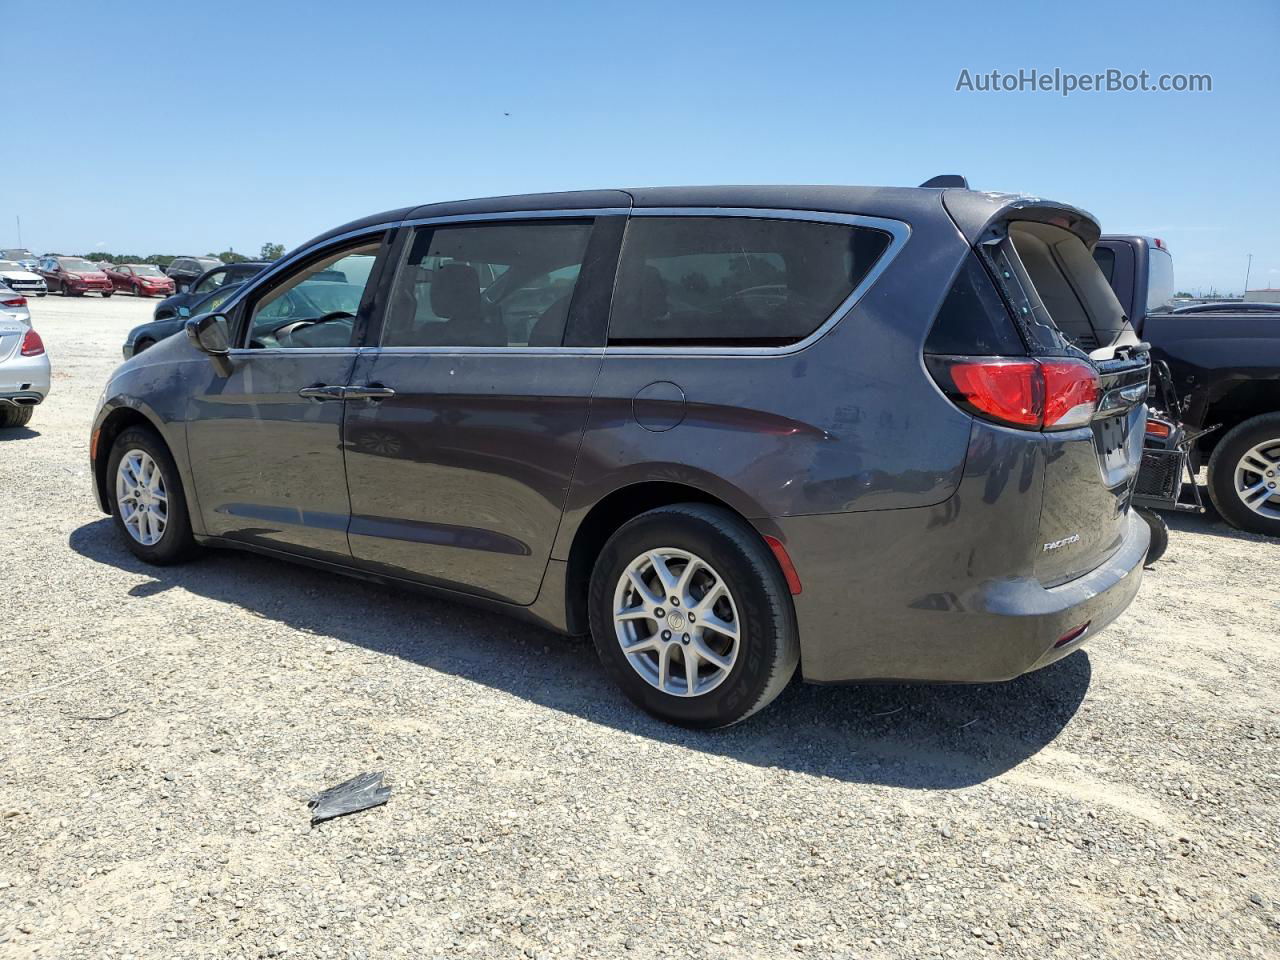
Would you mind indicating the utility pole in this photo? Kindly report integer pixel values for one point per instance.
(19, 219)
(1246, 274)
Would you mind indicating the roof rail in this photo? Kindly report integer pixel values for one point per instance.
(947, 180)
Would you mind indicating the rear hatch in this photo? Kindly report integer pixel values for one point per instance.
(1091, 372)
(11, 334)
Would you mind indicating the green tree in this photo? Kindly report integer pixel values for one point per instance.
(272, 251)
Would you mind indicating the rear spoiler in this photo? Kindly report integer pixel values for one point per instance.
(974, 212)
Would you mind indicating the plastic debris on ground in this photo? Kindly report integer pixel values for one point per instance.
(352, 796)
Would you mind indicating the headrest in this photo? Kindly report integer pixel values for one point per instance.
(455, 292)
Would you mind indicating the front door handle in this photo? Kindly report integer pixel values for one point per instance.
(371, 391)
(322, 391)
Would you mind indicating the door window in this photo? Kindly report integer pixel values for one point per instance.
(314, 305)
(487, 285)
(211, 282)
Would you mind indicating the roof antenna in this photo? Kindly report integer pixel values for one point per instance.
(947, 180)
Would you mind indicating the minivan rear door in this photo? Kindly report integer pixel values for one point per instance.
(463, 422)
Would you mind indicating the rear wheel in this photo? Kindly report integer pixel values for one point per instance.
(144, 344)
(1159, 534)
(691, 616)
(15, 416)
(147, 501)
(1244, 475)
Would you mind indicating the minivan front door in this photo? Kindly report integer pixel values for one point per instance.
(265, 442)
(490, 348)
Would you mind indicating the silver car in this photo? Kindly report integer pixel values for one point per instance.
(24, 365)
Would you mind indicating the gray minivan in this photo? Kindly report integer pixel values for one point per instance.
(878, 433)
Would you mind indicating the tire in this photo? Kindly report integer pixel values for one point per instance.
(107, 293)
(175, 542)
(1159, 534)
(767, 649)
(144, 344)
(1228, 457)
(137, 292)
(15, 416)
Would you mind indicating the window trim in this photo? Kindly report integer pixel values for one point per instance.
(898, 231)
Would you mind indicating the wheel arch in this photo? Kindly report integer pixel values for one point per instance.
(1239, 404)
(607, 515)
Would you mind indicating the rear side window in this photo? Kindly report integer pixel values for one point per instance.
(1159, 280)
(1106, 261)
(735, 280)
(973, 320)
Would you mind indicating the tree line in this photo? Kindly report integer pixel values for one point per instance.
(270, 251)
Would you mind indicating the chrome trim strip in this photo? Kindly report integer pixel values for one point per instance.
(899, 231)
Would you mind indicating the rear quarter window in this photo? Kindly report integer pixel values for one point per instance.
(735, 280)
(1159, 280)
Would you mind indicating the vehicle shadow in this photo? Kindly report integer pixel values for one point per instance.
(18, 433)
(905, 735)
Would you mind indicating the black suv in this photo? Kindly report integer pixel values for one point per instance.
(726, 430)
(224, 274)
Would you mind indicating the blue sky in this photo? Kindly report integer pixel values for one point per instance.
(193, 127)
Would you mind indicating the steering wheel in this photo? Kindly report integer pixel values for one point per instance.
(293, 326)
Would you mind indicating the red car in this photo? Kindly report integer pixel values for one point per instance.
(74, 276)
(140, 279)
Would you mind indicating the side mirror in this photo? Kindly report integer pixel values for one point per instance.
(208, 332)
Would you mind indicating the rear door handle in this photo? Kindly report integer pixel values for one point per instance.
(371, 391)
(322, 391)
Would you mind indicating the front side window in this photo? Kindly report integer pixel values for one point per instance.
(487, 285)
(211, 282)
(308, 308)
(736, 281)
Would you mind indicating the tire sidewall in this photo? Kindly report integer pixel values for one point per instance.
(176, 540)
(1222, 470)
(762, 603)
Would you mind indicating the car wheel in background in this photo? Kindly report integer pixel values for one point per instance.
(144, 344)
(107, 293)
(691, 616)
(147, 502)
(15, 416)
(1159, 534)
(1244, 475)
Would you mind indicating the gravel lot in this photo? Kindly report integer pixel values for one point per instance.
(162, 728)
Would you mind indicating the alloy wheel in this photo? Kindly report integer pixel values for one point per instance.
(676, 621)
(141, 497)
(1257, 478)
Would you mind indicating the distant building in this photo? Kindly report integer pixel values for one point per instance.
(1267, 295)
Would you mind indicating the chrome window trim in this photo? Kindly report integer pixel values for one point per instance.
(899, 232)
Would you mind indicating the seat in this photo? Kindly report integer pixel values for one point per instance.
(455, 296)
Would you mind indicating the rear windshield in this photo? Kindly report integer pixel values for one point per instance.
(735, 280)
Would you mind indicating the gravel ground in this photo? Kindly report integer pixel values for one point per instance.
(162, 728)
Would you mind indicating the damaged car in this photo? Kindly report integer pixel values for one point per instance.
(733, 433)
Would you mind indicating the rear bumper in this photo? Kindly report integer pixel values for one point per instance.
(24, 380)
(896, 625)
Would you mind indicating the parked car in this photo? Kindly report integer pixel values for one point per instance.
(24, 365)
(140, 279)
(73, 276)
(147, 335)
(229, 274)
(184, 271)
(20, 255)
(1224, 361)
(18, 278)
(13, 305)
(764, 430)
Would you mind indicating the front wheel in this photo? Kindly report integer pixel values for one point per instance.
(148, 505)
(692, 617)
(107, 293)
(1159, 534)
(1244, 475)
(144, 344)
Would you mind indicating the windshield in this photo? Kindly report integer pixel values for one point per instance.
(145, 270)
(17, 253)
(75, 264)
(10, 265)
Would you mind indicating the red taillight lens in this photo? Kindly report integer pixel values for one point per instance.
(1026, 393)
(1006, 390)
(1070, 393)
(32, 345)
(1159, 429)
(15, 302)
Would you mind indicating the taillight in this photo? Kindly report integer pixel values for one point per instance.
(15, 302)
(1020, 392)
(32, 345)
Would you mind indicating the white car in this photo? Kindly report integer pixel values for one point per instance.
(24, 366)
(17, 277)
